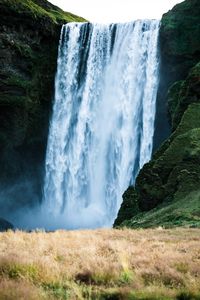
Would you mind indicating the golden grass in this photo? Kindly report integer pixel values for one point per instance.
(100, 264)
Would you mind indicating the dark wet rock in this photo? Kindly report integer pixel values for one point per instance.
(5, 225)
(179, 52)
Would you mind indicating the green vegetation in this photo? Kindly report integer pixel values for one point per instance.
(182, 211)
(179, 52)
(129, 206)
(182, 94)
(182, 21)
(16, 271)
(167, 188)
(40, 9)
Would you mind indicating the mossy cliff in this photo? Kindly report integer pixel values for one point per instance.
(167, 190)
(29, 37)
(179, 52)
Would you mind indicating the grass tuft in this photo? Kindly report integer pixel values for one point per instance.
(124, 264)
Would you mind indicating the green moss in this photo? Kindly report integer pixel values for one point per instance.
(168, 187)
(174, 97)
(178, 165)
(185, 93)
(129, 206)
(18, 81)
(183, 211)
(181, 22)
(8, 100)
(190, 120)
(41, 9)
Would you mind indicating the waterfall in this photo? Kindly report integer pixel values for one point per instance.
(102, 127)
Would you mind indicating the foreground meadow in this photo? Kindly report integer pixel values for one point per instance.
(100, 264)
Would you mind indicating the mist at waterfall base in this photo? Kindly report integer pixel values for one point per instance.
(102, 126)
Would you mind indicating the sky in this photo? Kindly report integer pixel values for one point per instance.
(108, 11)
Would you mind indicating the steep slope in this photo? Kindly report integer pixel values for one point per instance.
(179, 51)
(167, 188)
(29, 37)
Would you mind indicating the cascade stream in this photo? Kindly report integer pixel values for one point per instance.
(102, 126)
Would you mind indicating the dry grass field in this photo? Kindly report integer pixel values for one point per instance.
(100, 264)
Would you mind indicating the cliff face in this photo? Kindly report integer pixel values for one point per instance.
(29, 37)
(180, 40)
(167, 189)
(179, 51)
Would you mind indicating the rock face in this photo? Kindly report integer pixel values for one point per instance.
(180, 39)
(5, 225)
(167, 190)
(179, 51)
(29, 37)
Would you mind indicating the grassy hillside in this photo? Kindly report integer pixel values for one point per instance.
(103, 264)
(40, 9)
(184, 211)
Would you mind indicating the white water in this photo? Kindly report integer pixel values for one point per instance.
(102, 126)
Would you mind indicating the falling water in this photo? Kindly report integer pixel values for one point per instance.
(102, 126)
